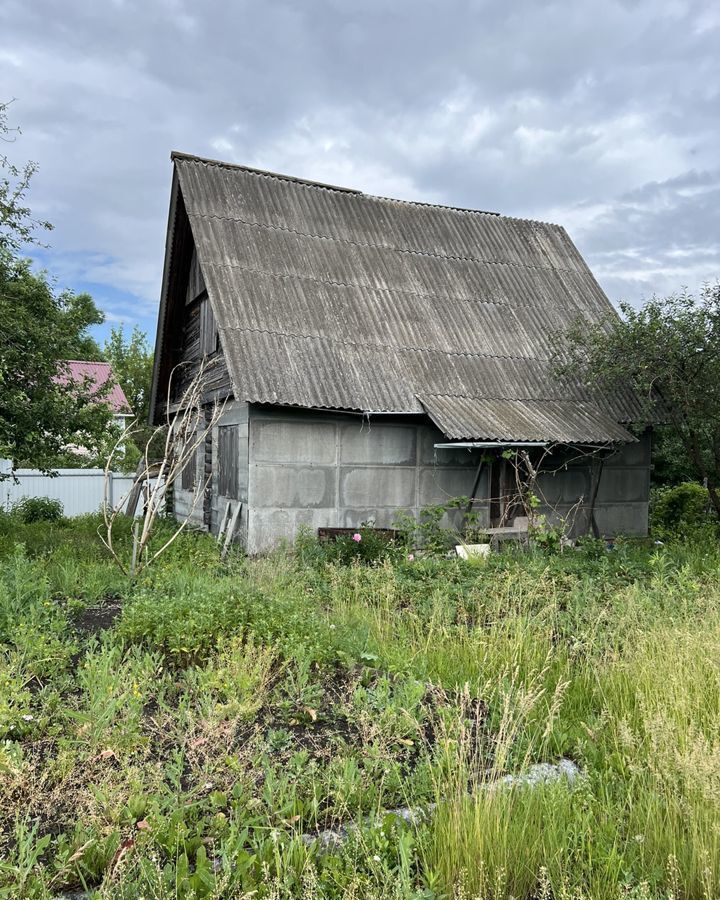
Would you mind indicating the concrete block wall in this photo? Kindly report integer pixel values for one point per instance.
(298, 467)
(623, 496)
(318, 469)
(183, 499)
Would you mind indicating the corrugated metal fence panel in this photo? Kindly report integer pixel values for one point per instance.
(80, 491)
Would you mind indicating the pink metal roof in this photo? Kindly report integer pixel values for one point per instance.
(99, 373)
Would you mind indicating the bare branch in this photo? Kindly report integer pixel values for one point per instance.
(187, 426)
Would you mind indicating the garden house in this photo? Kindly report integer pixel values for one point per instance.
(378, 356)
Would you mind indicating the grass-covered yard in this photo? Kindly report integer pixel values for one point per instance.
(179, 736)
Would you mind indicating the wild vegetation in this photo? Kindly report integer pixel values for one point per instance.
(668, 352)
(182, 735)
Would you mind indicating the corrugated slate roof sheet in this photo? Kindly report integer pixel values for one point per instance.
(469, 418)
(326, 297)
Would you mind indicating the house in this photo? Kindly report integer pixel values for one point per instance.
(99, 378)
(379, 356)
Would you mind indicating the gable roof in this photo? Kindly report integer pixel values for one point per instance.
(97, 374)
(328, 297)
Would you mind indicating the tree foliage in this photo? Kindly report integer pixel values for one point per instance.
(669, 352)
(41, 327)
(17, 226)
(131, 360)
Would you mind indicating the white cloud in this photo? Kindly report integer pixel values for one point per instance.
(592, 116)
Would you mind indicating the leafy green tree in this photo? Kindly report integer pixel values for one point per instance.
(669, 352)
(38, 415)
(132, 363)
(40, 328)
(17, 226)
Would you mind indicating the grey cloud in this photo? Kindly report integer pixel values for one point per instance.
(595, 115)
(659, 237)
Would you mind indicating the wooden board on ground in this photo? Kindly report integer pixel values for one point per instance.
(231, 529)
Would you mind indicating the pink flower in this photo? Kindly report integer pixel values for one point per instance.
(411, 557)
(357, 537)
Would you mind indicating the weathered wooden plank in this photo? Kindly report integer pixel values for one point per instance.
(228, 461)
(231, 530)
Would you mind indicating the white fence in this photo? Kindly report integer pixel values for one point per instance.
(79, 490)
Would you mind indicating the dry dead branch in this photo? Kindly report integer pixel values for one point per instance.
(187, 425)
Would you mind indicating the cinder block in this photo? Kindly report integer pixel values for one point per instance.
(624, 485)
(565, 486)
(457, 456)
(623, 518)
(362, 487)
(570, 516)
(235, 413)
(382, 518)
(316, 518)
(307, 443)
(288, 487)
(183, 505)
(267, 528)
(637, 454)
(439, 485)
(377, 444)
(550, 487)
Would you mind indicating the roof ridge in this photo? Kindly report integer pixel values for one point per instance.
(91, 362)
(266, 173)
(309, 182)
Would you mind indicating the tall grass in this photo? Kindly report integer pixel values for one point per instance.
(646, 816)
(232, 707)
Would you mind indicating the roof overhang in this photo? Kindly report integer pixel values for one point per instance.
(495, 422)
(488, 445)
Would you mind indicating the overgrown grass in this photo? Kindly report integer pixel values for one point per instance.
(176, 737)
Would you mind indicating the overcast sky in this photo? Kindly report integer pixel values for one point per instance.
(601, 116)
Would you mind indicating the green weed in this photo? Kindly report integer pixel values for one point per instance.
(184, 749)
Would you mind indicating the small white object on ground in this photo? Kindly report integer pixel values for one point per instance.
(540, 773)
(466, 551)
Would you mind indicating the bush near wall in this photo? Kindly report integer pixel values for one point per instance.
(681, 511)
(38, 509)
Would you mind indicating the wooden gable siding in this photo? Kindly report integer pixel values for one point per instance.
(195, 346)
(196, 282)
(194, 335)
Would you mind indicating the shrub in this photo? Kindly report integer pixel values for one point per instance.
(439, 527)
(681, 511)
(368, 545)
(38, 509)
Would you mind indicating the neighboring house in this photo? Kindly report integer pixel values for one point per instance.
(99, 374)
(98, 378)
(372, 351)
